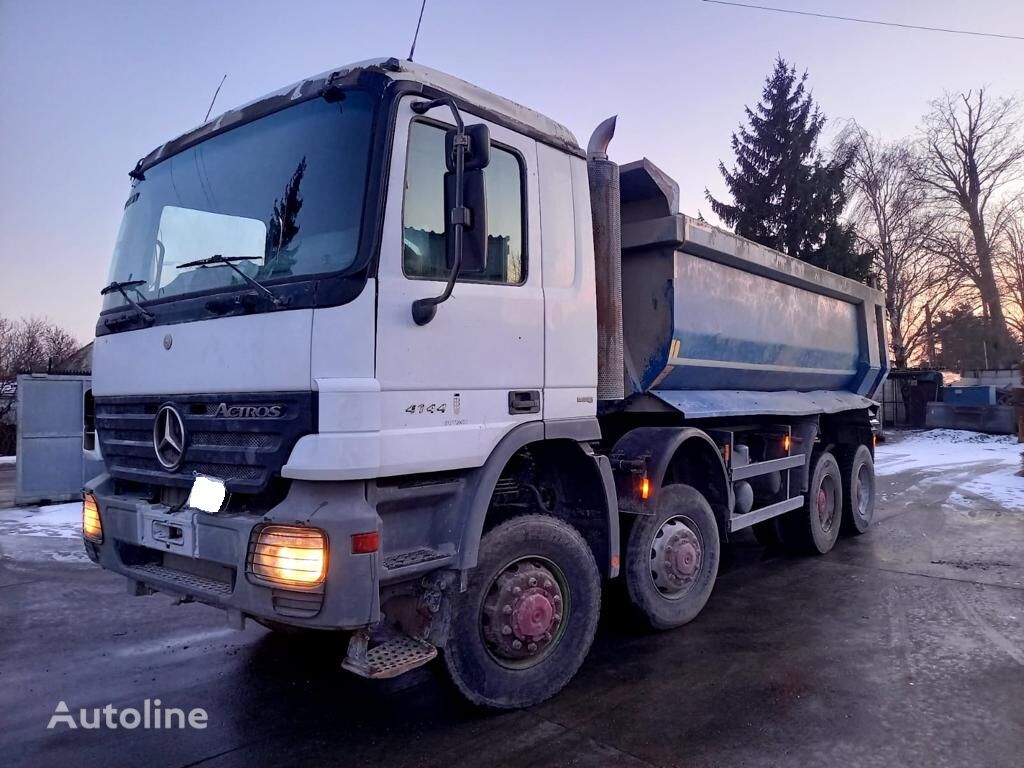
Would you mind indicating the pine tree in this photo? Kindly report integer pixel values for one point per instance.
(785, 195)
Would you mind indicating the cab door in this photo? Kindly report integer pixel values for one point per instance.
(451, 389)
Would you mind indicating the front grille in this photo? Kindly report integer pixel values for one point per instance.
(247, 452)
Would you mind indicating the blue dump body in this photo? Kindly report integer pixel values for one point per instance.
(718, 325)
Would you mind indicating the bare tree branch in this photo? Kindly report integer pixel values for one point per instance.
(971, 156)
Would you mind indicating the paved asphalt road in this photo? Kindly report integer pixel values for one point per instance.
(904, 647)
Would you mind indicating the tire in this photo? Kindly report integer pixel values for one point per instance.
(814, 528)
(857, 469)
(672, 558)
(551, 565)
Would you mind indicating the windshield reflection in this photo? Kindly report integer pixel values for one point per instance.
(285, 192)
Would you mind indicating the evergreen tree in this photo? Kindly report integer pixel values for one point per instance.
(785, 196)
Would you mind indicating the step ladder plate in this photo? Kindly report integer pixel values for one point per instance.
(393, 658)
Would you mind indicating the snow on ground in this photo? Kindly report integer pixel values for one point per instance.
(8, 460)
(941, 451)
(53, 532)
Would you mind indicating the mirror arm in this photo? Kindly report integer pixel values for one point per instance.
(423, 310)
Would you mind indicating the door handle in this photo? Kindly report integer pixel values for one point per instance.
(524, 401)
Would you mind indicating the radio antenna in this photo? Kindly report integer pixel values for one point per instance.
(419, 21)
(214, 99)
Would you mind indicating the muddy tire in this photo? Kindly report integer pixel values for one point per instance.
(672, 558)
(814, 527)
(858, 472)
(525, 623)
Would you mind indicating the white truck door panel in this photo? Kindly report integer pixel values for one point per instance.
(570, 305)
(445, 385)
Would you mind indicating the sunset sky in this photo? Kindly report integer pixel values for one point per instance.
(88, 88)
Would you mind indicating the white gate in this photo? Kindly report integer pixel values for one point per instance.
(52, 433)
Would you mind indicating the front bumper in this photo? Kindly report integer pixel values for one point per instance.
(206, 559)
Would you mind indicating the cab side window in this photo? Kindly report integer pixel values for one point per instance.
(423, 216)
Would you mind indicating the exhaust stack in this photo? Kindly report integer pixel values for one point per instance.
(606, 211)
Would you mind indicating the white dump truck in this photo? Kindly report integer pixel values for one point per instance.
(387, 354)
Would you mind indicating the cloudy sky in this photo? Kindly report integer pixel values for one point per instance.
(86, 88)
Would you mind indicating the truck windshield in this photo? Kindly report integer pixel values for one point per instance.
(286, 191)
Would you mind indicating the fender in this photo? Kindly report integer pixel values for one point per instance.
(657, 447)
(482, 482)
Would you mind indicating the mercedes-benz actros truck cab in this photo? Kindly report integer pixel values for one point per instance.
(386, 354)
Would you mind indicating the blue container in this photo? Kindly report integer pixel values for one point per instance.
(979, 395)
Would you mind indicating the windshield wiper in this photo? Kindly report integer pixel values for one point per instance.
(122, 288)
(228, 261)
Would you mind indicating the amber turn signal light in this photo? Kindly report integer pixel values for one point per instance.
(92, 526)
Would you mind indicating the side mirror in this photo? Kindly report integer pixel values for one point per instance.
(465, 223)
(478, 152)
(474, 233)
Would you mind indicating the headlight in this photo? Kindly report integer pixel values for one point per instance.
(92, 526)
(289, 555)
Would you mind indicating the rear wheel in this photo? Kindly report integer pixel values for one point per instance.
(525, 623)
(858, 473)
(672, 558)
(814, 527)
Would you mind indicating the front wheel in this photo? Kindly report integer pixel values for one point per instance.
(672, 558)
(525, 623)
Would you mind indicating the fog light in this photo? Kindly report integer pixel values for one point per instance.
(92, 527)
(207, 494)
(291, 555)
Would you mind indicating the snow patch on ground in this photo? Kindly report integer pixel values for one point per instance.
(8, 460)
(938, 452)
(50, 533)
(61, 520)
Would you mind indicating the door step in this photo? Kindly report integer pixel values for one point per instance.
(390, 658)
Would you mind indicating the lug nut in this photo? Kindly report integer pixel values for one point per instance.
(532, 647)
(556, 617)
(516, 645)
(517, 590)
(507, 610)
(532, 581)
(547, 584)
(556, 599)
(506, 630)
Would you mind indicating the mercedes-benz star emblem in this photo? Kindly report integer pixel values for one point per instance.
(169, 437)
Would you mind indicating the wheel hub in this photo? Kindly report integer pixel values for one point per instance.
(523, 611)
(676, 556)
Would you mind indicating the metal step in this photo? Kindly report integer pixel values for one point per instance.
(187, 581)
(409, 559)
(389, 659)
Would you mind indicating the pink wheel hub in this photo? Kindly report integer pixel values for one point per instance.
(685, 557)
(676, 557)
(522, 612)
(532, 616)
